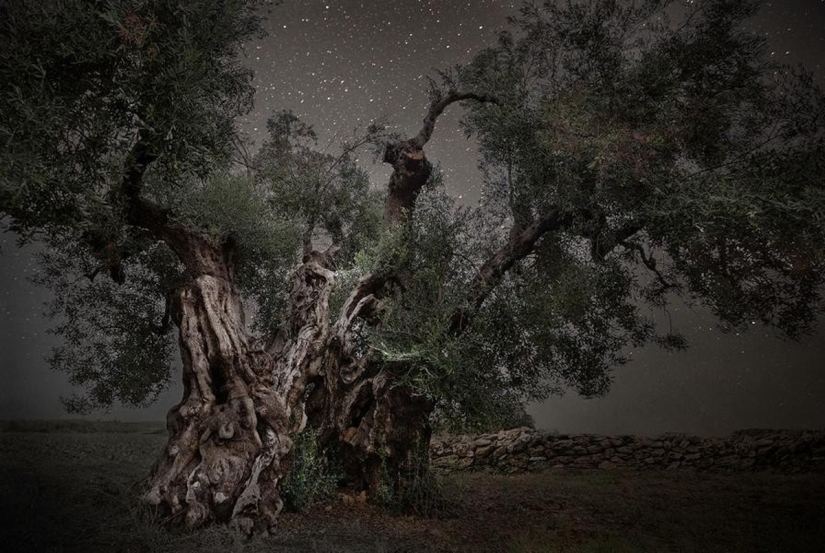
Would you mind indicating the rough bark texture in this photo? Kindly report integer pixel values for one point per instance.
(410, 173)
(230, 437)
(230, 441)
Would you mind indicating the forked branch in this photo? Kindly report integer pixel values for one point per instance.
(410, 166)
(438, 107)
(518, 247)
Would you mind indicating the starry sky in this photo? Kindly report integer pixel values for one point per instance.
(340, 64)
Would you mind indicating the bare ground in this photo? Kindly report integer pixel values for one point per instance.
(65, 489)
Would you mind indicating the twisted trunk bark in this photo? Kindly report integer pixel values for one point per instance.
(378, 427)
(385, 435)
(229, 437)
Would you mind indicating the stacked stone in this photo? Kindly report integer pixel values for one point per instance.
(525, 449)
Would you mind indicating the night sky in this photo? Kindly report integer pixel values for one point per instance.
(342, 63)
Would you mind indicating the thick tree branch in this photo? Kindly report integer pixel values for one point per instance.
(518, 247)
(410, 166)
(137, 212)
(601, 243)
(438, 107)
(521, 244)
(140, 212)
(195, 250)
(137, 162)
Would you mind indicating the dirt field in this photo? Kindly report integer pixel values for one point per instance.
(73, 487)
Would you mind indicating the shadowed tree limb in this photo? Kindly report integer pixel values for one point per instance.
(601, 245)
(438, 107)
(650, 263)
(518, 247)
(410, 166)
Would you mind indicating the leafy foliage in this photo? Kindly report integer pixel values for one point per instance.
(677, 160)
(329, 196)
(683, 162)
(310, 476)
(82, 80)
(116, 339)
(675, 144)
(555, 323)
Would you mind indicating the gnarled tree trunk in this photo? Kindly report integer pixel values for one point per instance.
(230, 436)
(384, 435)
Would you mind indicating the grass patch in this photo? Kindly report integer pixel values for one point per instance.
(81, 426)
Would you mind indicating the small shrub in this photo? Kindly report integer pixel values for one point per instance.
(419, 492)
(422, 493)
(310, 477)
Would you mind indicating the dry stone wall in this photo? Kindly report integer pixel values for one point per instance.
(525, 449)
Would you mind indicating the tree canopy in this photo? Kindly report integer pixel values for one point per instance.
(627, 158)
(670, 159)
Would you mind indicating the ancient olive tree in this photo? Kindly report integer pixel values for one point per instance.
(626, 159)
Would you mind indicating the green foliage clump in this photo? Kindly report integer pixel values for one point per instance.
(117, 338)
(81, 81)
(328, 196)
(310, 475)
(420, 491)
(677, 146)
(678, 161)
